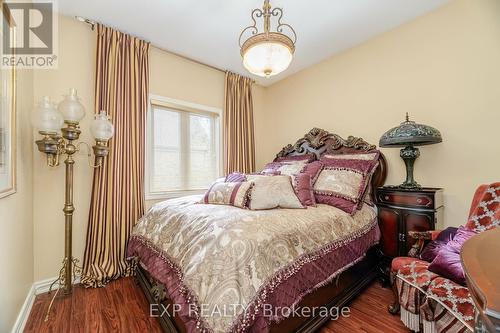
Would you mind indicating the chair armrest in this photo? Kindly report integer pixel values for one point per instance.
(421, 237)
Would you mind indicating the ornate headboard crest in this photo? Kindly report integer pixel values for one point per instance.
(318, 141)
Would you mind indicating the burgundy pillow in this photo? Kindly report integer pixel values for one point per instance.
(371, 156)
(342, 183)
(306, 157)
(313, 169)
(302, 186)
(431, 250)
(447, 262)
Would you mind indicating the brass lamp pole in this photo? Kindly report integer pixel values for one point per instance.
(49, 122)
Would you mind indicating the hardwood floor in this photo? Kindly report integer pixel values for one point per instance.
(368, 314)
(121, 307)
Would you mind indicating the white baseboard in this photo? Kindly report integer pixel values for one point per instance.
(37, 288)
(24, 313)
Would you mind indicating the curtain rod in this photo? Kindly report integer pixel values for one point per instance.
(93, 23)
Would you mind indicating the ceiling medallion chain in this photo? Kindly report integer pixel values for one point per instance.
(269, 52)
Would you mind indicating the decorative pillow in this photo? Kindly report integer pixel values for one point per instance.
(313, 169)
(361, 156)
(232, 194)
(447, 262)
(306, 157)
(373, 156)
(302, 177)
(291, 168)
(272, 192)
(432, 249)
(303, 187)
(285, 167)
(343, 182)
(235, 177)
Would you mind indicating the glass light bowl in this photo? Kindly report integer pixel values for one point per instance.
(71, 108)
(101, 128)
(267, 54)
(46, 118)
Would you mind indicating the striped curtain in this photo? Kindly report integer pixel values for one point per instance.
(121, 89)
(239, 142)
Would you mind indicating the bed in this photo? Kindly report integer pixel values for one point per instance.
(215, 268)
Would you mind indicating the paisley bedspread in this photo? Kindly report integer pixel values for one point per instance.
(224, 266)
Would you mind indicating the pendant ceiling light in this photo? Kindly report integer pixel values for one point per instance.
(267, 53)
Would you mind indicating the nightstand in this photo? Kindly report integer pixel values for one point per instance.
(402, 210)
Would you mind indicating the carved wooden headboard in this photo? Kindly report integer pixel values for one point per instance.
(319, 141)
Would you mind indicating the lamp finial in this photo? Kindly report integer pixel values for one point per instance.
(407, 117)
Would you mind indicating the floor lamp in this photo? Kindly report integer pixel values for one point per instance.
(60, 129)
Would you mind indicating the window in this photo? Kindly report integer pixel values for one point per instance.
(183, 148)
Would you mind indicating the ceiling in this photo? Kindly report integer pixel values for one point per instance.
(208, 30)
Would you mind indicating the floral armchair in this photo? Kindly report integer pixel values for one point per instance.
(429, 285)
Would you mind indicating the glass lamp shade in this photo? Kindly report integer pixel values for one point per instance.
(102, 128)
(71, 108)
(410, 133)
(267, 58)
(46, 118)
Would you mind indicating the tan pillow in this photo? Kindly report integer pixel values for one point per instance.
(292, 168)
(232, 194)
(360, 156)
(272, 192)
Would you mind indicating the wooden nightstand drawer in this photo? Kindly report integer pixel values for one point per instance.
(413, 199)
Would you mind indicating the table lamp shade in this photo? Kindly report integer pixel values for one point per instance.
(408, 135)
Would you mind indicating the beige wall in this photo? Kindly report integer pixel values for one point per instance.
(443, 68)
(16, 215)
(170, 76)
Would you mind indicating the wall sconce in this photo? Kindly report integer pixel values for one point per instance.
(60, 130)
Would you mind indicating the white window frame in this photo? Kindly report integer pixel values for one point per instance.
(167, 102)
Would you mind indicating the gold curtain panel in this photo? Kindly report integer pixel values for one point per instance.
(239, 141)
(121, 88)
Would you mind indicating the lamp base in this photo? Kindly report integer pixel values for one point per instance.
(409, 154)
(75, 270)
(410, 186)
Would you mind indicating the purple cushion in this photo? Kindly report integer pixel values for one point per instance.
(235, 177)
(462, 235)
(447, 262)
(431, 250)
